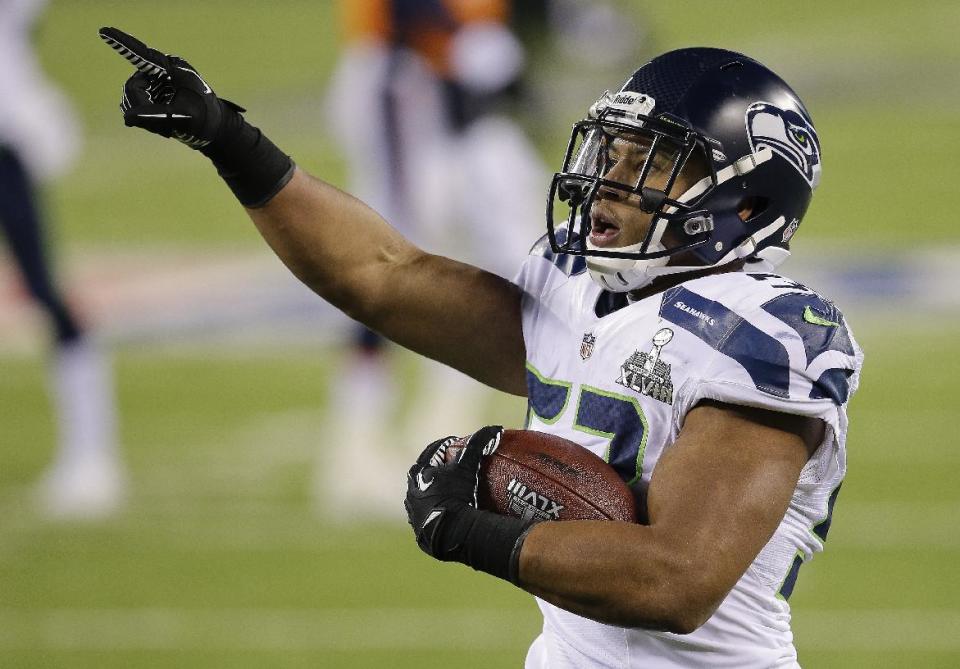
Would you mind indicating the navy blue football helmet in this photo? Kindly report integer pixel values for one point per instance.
(737, 125)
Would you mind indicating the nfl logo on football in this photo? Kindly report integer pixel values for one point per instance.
(529, 504)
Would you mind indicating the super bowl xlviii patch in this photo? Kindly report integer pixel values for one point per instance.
(586, 346)
(646, 373)
(529, 504)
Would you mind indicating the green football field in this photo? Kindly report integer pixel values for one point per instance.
(220, 559)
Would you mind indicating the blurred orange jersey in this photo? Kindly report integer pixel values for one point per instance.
(425, 26)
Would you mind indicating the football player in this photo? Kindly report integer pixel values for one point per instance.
(649, 326)
(38, 141)
(433, 76)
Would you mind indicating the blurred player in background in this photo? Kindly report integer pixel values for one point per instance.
(419, 102)
(39, 139)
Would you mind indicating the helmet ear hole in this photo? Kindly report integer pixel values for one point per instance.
(751, 207)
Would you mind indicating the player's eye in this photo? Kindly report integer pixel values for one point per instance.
(622, 151)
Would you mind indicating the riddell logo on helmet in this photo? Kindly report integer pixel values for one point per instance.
(634, 103)
(628, 98)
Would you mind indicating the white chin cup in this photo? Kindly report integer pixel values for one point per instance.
(621, 275)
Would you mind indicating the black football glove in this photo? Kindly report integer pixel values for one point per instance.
(168, 97)
(441, 506)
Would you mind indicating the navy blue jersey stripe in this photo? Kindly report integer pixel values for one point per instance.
(763, 357)
(833, 383)
(547, 398)
(786, 589)
(817, 337)
(821, 528)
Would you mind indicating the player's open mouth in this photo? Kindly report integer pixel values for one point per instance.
(603, 229)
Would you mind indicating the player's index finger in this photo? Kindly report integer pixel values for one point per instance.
(147, 60)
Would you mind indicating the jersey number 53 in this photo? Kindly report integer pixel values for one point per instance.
(617, 418)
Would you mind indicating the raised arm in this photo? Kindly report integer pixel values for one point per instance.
(451, 312)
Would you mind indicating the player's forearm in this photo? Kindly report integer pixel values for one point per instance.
(331, 241)
(348, 255)
(615, 573)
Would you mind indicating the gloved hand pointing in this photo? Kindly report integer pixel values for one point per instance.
(168, 97)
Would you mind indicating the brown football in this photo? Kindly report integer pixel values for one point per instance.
(538, 475)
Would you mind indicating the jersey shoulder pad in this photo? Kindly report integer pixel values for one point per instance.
(791, 341)
(539, 275)
(568, 264)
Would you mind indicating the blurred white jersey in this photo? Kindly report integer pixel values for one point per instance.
(619, 379)
(36, 119)
(459, 193)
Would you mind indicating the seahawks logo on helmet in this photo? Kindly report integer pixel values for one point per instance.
(787, 133)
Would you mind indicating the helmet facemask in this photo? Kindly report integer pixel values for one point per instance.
(620, 154)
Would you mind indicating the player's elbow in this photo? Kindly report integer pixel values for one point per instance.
(369, 291)
(691, 599)
(678, 616)
(681, 602)
(688, 618)
(683, 615)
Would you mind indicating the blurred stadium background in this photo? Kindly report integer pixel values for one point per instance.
(223, 362)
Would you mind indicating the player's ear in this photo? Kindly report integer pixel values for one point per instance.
(750, 207)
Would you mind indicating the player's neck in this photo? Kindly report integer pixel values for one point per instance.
(662, 283)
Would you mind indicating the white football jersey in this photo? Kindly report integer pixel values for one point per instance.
(619, 378)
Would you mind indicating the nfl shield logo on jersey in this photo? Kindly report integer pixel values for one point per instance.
(586, 346)
(646, 373)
